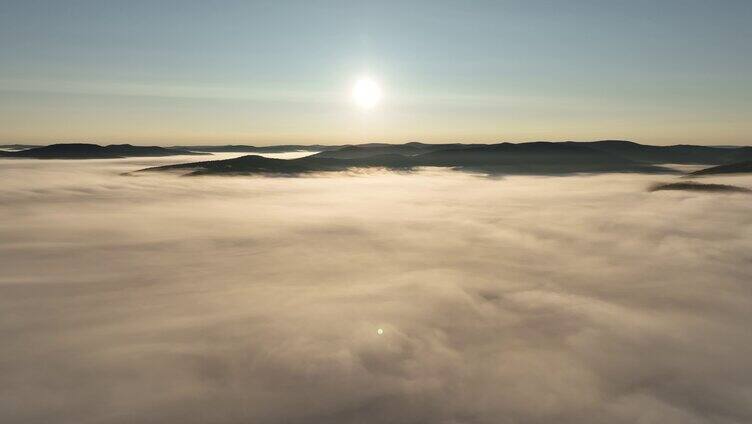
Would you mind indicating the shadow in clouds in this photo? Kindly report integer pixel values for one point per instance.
(694, 186)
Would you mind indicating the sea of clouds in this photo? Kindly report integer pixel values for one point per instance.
(166, 299)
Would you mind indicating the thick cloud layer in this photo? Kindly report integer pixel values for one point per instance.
(582, 299)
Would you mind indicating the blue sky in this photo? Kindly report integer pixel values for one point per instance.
(266, 72)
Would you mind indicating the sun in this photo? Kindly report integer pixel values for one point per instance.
(366, 93)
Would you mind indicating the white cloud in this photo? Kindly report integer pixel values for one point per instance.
(229, 299)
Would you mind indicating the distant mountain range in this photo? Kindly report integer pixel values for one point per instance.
(677, 154)
(504, 158)
(547, 158)
(94, 151)
(408, 149)
(345, 151)
(255, 164)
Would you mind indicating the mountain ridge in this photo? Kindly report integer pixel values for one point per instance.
(95, 151)
(546, 158)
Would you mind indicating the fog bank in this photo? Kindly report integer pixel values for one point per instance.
(580, 299)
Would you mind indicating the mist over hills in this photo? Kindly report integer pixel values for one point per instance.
(14, 147)
(575, 300)
(255, 164)
(94, 151)
(676, 154)
(344, 151)
(290, 280)
(534, 158)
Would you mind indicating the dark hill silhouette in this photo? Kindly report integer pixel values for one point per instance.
(639, 153)
(511, 153)
(678, 154)
(95, 151)
(65, 151)
(481, 154)
(692, 186)
(503, 158)
(255, 164)
(732, 168)
(534, 158)
(251, 164)
(506, 158)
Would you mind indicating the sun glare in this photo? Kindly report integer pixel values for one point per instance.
(366, 93)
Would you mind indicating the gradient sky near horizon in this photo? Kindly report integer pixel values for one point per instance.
(270, 72)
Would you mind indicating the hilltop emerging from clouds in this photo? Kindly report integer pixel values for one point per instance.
(544, 158)
(533, 158)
